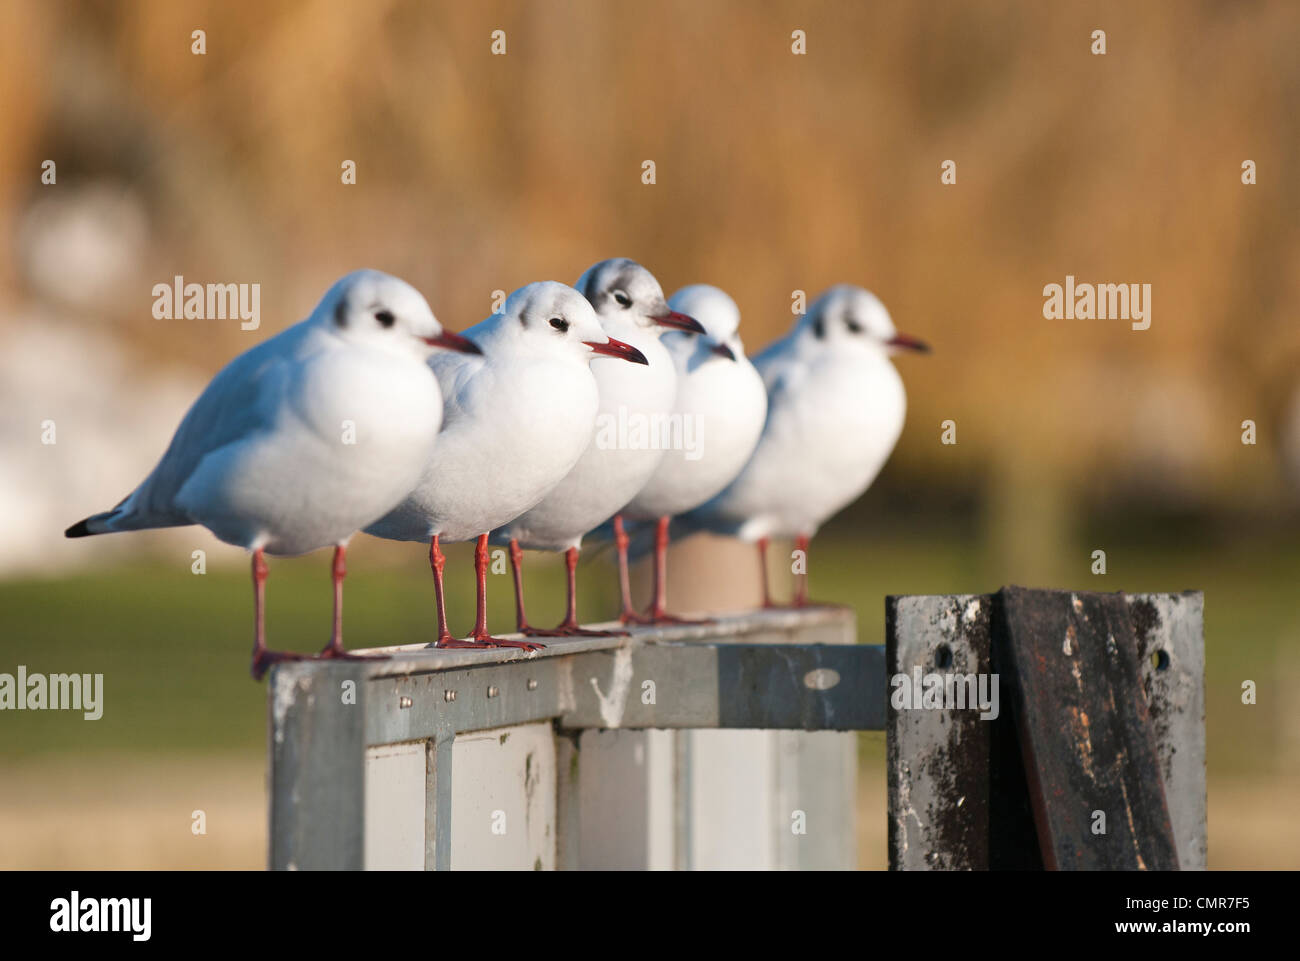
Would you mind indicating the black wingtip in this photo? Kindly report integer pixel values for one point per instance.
(79, 529)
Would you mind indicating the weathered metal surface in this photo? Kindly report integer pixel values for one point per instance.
(568, 805)
(1170, 635)
(444, 703)
(773, 799)
(938, 759)
(1069, 662)
(317, 748)
(438, 801)
(395, 807)
(503, 807)
(957, 791)
(620, 786)
(700, 798)
(816, 798)
(787, 686)
(676, 678)
(809, 625)
(424, 698)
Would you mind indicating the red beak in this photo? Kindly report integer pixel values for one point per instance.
(616, 348)
(453, 342)
(679, 321)
(906, 342)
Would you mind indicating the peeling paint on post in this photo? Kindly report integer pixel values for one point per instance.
(950, 792)
(1170, 632)
(957, 790)
(1070, 664)
(317, 766)
(785, 669)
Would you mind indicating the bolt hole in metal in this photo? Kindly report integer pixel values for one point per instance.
(943, 657)
(1160, 659)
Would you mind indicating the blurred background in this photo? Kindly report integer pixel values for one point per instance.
(775, 173)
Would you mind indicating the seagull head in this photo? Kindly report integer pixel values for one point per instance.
(717, 314)
(554, 318)
(622, 288)
(381, 311)
(850, 318)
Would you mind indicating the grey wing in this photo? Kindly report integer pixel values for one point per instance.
(243, 399)
(783, 373)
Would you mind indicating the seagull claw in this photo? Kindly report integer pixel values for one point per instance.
(483, 642)
(503, 642)
(570, 630)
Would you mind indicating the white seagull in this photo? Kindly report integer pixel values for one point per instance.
(835, 410)
(305, 438)
(517, 420)
(716, 422)
(622, 454)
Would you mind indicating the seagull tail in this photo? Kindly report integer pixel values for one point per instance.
(123, 517)
(95, 524)
(103, 523)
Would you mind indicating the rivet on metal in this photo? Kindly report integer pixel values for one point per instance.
(532, 684)
(449, 695)
(493, 691)
(403, 702)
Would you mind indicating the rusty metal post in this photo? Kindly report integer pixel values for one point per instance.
(958, 795)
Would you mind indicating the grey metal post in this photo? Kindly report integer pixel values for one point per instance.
(955, 783)
(317, 748)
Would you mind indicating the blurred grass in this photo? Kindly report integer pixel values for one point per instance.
(173, 646)
(180, 708)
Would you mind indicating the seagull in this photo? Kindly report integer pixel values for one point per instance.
(835, 410)
(716, 422)
(620, 456)
(304, 439)
(517, 420)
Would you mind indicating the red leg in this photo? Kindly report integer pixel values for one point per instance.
(260, 572)
(801, 580)
(569, 626)
(340, 570)
(480, 632)
(661, 567)
(762, 566)
(437, 562)
(334, 649)
(656, 613)
(262, 658)
(517, 570)
(629, 614)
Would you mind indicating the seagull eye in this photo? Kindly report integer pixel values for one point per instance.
(560, 324)
(623, 299)
(853, 326)
(819, 328)
(385, 318)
